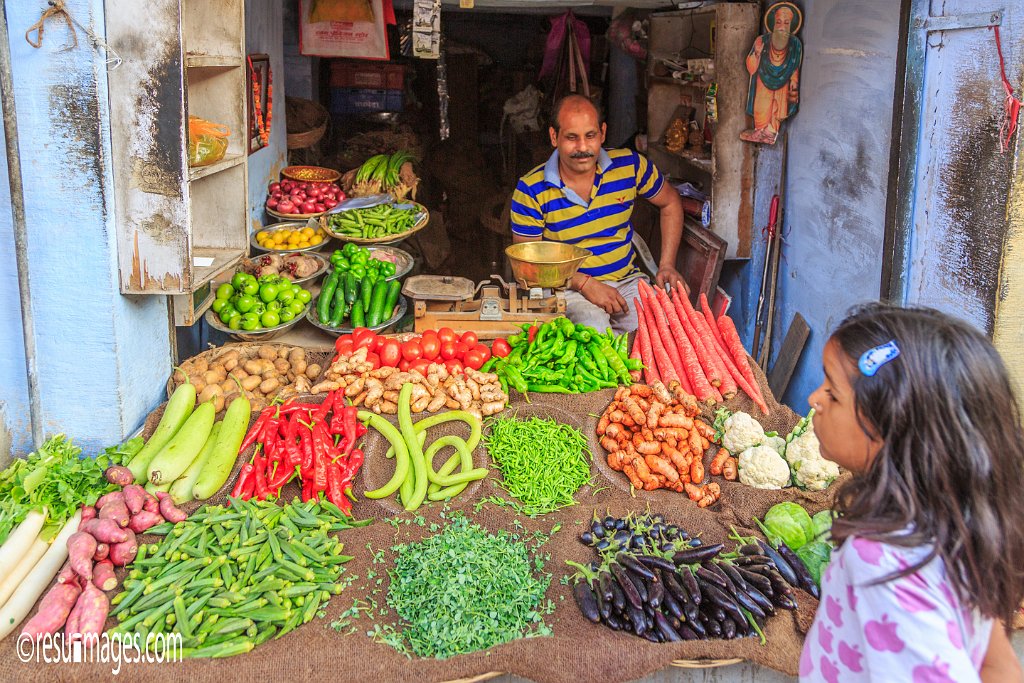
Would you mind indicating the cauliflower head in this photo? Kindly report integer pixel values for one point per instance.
(815, 474)
(803, 447)
(741, 432)
(761, 467)
(776, 442)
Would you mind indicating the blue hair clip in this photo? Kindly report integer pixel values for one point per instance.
(872, 359)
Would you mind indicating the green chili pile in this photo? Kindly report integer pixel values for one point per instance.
(559, 357)
(465, 590)
(228, 579)
(543, 462)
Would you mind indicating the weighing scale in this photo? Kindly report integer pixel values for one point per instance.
(495, 308)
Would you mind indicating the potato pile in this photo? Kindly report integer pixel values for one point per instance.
(264, 372)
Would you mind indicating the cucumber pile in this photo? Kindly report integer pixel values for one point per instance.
(362, 302)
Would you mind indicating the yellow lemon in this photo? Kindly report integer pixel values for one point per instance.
(316, 239)
(307, 232)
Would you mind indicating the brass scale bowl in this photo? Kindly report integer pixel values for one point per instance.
(544, 264)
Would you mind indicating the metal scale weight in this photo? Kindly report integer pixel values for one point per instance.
(541, 272)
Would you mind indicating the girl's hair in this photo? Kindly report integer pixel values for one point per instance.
(951, 466)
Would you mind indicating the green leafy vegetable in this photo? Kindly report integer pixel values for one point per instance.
(465, 590)
(815, 556)
(822, 525)
(58, 478)
(790, 523)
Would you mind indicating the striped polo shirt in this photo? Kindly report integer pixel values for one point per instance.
(542, 206)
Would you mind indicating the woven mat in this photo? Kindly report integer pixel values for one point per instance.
(578, 650)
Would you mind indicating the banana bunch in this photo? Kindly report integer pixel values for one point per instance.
(382, 173)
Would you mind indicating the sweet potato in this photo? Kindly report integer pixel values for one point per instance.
(134, 498)
(124, 553)
(113, 495)
(102, 550)
(103, 576)
(67, 574)
(54, 609)
(169, 511)
(116, 510)
(144, 520)
(104, 531)
(122, 476)
(89, 613)
(81, 548)
(88, 512)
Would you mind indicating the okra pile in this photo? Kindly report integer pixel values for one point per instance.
(230, 578)
(653, 580)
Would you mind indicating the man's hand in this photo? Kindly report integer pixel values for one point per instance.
(667, 275)
(603, 296)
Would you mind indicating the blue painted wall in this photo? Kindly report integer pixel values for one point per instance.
(102, 358)
(264, 33)
(837, 179)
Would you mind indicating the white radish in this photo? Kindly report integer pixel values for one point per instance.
(38, 580)
(19, 541)
(14, 579)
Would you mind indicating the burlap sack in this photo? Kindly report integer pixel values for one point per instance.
(578, 650)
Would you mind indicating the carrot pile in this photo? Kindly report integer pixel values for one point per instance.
(678, 343)
(653, 435)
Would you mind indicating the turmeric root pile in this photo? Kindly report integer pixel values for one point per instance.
(376, 389)
(653, 436)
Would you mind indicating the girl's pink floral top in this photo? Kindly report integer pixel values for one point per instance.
(909, 629)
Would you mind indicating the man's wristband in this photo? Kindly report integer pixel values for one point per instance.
(584, 283)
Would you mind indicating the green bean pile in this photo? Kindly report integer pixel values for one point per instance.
(465, 590)
(543, 462)
(228, 579)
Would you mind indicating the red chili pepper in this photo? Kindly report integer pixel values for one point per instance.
(320, 456)
(336, 487)
(306, 439)
(291, 447)
(337, 425)
(360, 429)
(280, 477)
(307, 491)
(260, 467)
(320, 414)
(355, 461)
(297, 408)
(245, 482)
(257, 428)
(349, 421)
(270, 439)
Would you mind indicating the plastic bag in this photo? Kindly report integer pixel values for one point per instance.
(207, 141)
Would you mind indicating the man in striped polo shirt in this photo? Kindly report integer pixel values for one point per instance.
(584, 195)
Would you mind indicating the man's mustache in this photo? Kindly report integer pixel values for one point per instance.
(581, 155)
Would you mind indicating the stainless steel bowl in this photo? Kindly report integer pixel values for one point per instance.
(265, 334)
(322, 268)
(544, 264)
(403, 260)
(401, 307)
(289, 225)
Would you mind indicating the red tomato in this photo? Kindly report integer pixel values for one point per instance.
(474, 359)
(469, 338)
(411, 350)
(500, 348)
(453, 366)
(448, 350)
(363, 341)
(446, 334)
(376, 344)
(390, 353)
(483, 349)
(373, 359)
(404, 365)
(460, 349)
(420, 366)
(431, 346)
(343, 345)
(360, 332)
(430, 333)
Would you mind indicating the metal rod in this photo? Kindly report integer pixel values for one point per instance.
(20, 230)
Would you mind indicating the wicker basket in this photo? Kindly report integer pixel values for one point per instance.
(308, 119)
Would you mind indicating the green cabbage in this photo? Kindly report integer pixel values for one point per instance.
(815, 556)
(822, 524)
(790, 523)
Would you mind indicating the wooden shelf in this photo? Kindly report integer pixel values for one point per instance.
(222, 260)
(199, 61)
(229, 161)
(699, 163)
